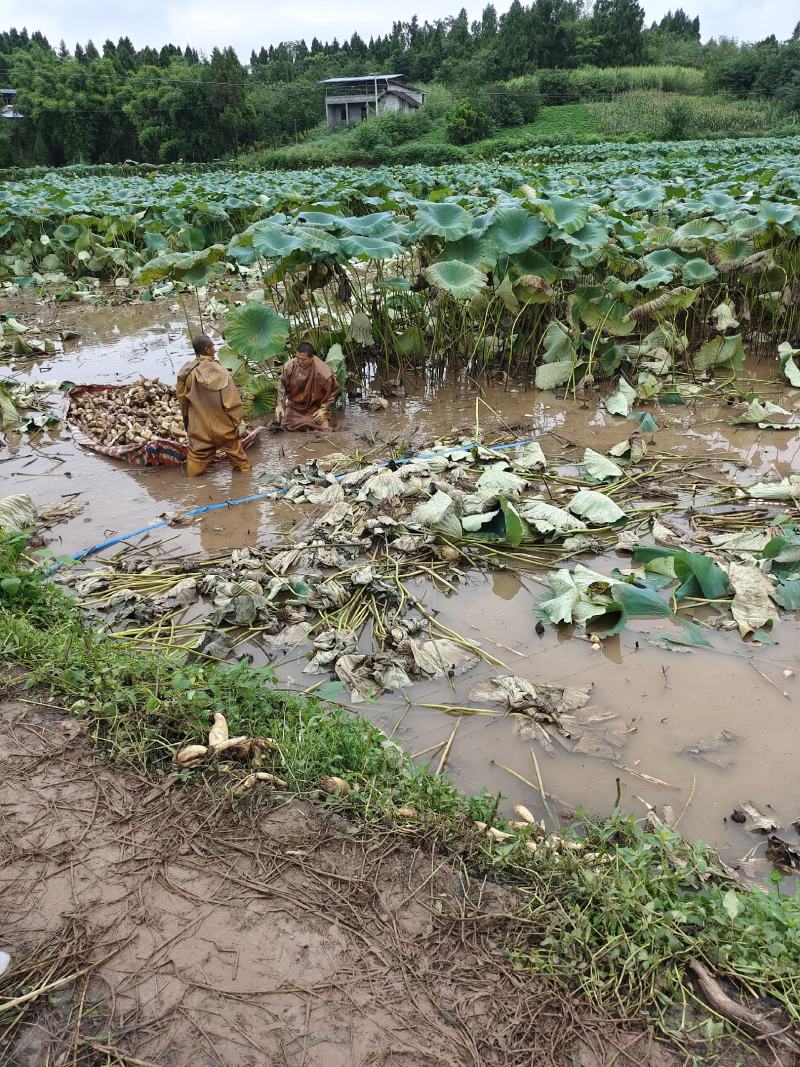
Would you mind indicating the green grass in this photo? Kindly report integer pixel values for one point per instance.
(558, 124)
(676, 116)
(619, 928)
(562, 124)
(593, 81)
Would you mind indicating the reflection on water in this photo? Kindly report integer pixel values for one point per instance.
(668, 699)
(505, 585)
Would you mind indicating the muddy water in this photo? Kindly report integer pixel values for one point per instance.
(670, 700)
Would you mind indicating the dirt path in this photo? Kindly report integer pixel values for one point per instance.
(275, 935)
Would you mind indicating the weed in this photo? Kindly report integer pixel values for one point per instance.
(648, 113)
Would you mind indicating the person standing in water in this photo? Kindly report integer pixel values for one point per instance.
(306, 389)
(212, 410)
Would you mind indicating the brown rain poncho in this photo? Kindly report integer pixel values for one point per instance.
(306, 385)
(212, 410)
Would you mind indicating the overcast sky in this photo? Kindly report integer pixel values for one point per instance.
(248, 24)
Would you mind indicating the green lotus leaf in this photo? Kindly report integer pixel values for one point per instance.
(655, 277)
(370, 247)
(472, 249)
(663, 258)
(592, 236)
(643, 199)
(515, 229)
(256, 332)
(378, 224)
(51, 263)
(323, 219)
(191, 267)
(777, 214)
(194, 238)
(505, 291)
(531, 289)
(595, 507)
(443, 220)
(697, 272)
(600, 467)
(569, 215)
(621, 401)
(721, 352)
(155, 242)
(558, 344)
(412, 342)
(698, 231)
(607, 315)
(718, 202)
(460, 279)
(786, 355)
(68, 232)
(551, 375)
(314, 239)
(273, 242)
(732, 250)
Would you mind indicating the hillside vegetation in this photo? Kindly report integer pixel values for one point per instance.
(91, 105)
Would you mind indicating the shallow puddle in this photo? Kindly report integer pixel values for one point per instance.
(670, 700)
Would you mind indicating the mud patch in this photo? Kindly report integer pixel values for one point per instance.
(150, 927)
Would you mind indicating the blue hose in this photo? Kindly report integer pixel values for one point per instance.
(266, 496)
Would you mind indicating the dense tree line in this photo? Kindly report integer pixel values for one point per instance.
(770, 68)
(118, 102)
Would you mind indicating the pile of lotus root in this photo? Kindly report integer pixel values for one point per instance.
(134, 414)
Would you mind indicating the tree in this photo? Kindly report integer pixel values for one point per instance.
(552, 29)
(680, 25)
(280, 113)
(91, 51)
(467, 122)
(73, 110)
(488, 23)
(126, 54)
(228, 118)
(459, 40)
(616, 26)
(512, 48)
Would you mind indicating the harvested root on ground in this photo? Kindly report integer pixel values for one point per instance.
(218, 733)
(145, 411)
(335, 786)
(191, 754)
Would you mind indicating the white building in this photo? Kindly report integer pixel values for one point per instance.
(7, 109)
(359, 99)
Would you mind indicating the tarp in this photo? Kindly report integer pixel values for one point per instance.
(159, 452)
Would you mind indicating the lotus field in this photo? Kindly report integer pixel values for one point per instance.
(586, 263)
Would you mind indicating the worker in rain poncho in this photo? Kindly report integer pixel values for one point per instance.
(211, 409)
(306, 389)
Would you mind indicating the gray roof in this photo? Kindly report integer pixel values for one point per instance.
(364, 78)
(8, 92)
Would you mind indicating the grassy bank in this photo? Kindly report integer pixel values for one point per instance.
(653, 115)
(621, 918)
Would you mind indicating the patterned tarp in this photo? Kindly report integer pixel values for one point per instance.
(155, 453)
